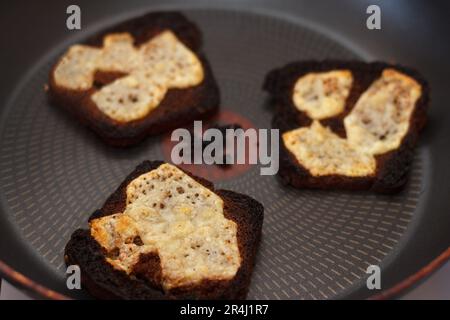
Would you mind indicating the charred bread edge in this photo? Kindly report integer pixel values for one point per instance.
(392, 167)
(105, 282)
(198, 102)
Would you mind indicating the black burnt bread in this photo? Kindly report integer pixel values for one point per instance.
(392, 167)
(104, 282)
(179, 106)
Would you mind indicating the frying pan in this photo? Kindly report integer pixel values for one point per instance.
(315, 244)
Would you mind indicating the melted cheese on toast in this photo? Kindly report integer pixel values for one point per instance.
(322, 95)
(323, 152)
(376, 125)
(174, 216)
(151, 69)
(381, 116)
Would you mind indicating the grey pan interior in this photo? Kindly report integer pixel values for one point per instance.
(316, 244)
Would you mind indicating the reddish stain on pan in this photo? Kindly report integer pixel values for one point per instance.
(215, 173)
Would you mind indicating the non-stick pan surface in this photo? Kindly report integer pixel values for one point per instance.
(315, 244)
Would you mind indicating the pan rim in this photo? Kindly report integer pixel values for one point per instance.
(400, 288)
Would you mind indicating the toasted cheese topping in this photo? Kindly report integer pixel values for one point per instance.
(323, 152)
(172, 215)
(76, 68)
(376, 125)
(381, 116)
(322, 95)
(151, 69)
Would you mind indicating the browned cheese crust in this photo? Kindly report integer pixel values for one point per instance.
(391, 168)
(178, 107)
(103, 281)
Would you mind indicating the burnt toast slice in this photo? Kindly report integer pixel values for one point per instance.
(382, 160)
(141, 77)
(213, 260)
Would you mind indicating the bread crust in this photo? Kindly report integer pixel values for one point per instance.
(103, 281)
(179, 106)
(392, 169)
